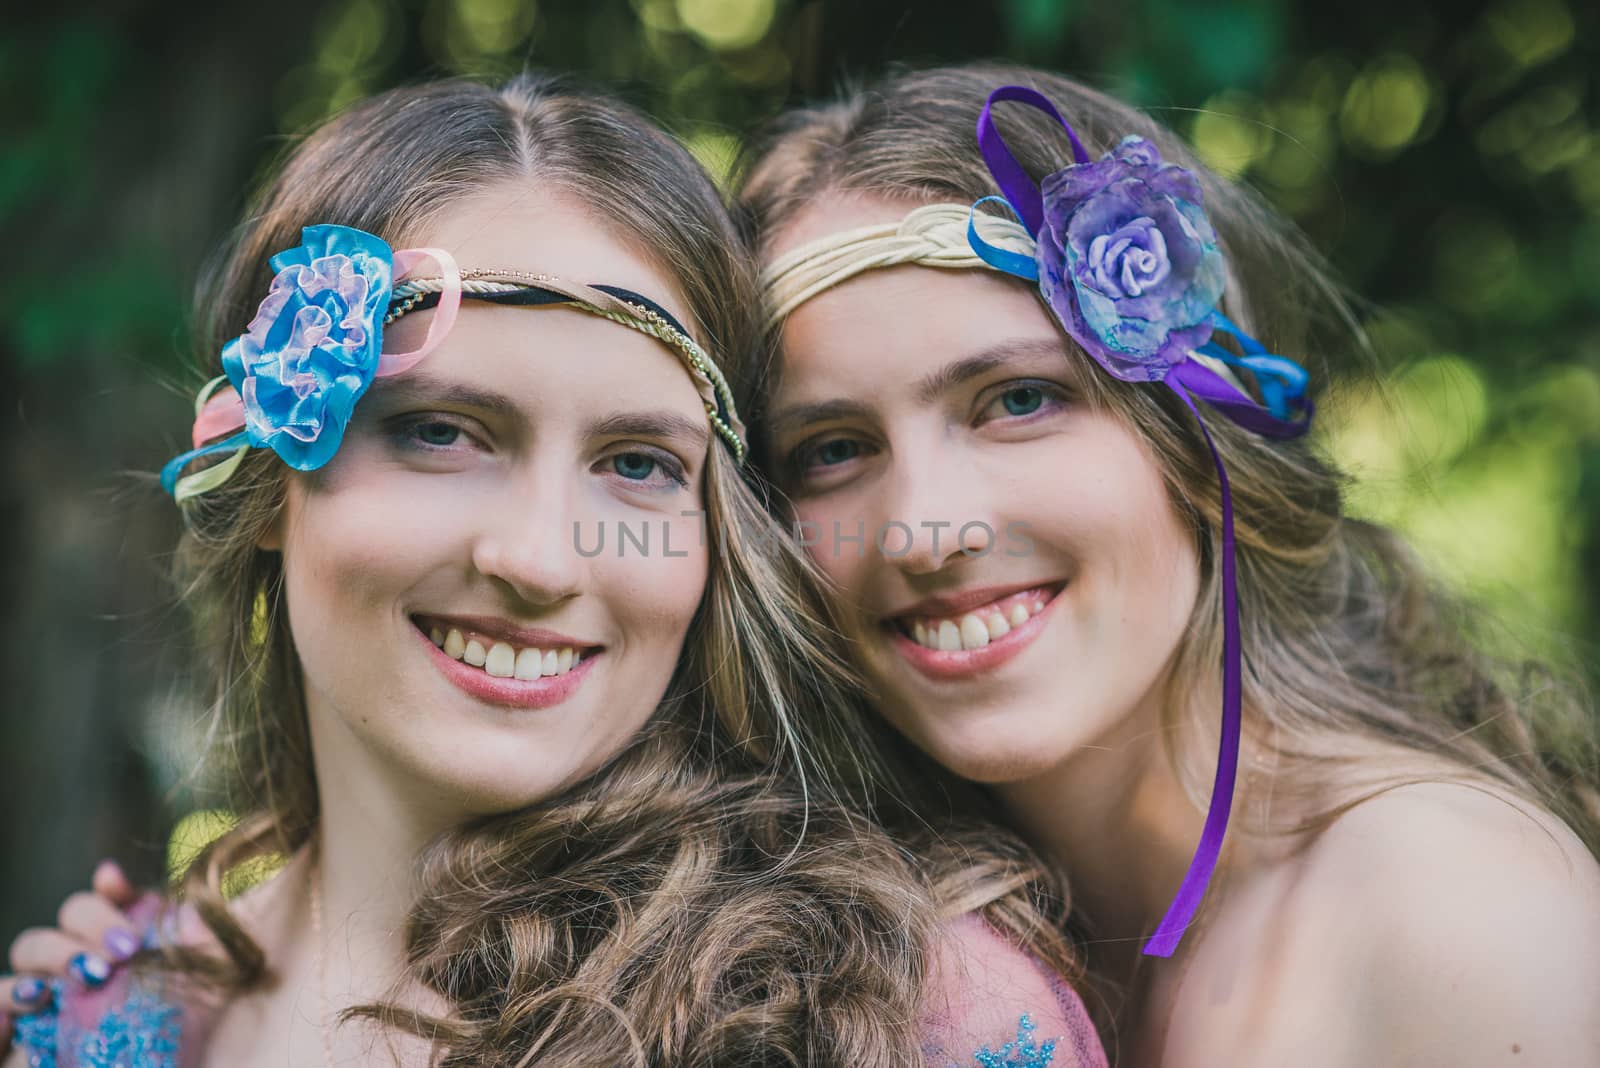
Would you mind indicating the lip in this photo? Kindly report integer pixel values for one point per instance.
(952, 665)
(544, 692)
(955, 604)
(501, 630)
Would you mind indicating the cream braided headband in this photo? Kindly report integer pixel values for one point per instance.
(931, 236)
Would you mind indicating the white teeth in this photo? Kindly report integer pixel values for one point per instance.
(529, 662)
(501, 661)
(974, 635)
(975, 629)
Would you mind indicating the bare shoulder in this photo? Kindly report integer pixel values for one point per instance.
(1449, 923)
(1462, 865)
(982, 986)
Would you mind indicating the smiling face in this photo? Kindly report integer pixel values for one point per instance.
(1023, 581)
(457, 648)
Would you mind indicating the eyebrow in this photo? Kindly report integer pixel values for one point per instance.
(952, 374)
(655, 424)
(421, 387)
(418, 387)
(1019, 350)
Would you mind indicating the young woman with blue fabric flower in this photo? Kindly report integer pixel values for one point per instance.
(532, 805)
(1409, 875)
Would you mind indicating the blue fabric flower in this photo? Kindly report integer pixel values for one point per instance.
(1129, 261)
(312, 349)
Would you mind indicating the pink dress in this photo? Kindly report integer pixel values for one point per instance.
(991, 1006)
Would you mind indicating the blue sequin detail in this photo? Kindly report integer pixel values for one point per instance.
(144, 1031)
(1023, 1052)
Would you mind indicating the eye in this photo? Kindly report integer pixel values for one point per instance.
(633, 465)
(819, 458)
(647, 469)
(437, 434)
(835, 451)
(429, 432)
(1022, 400)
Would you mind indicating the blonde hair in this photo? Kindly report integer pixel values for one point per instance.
(715, 894)
(1344, 635)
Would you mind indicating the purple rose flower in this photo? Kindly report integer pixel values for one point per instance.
(1128, 260)
(313, 347)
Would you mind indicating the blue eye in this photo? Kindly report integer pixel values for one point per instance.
(648, 469)
(836, 451)
(437, 434)
(635, 466)
(1023, 400)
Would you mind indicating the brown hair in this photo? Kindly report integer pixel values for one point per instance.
(706, 897)
(1344, 635)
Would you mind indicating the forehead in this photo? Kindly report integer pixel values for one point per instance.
(884, 327)
(522, 226)
(551, 356)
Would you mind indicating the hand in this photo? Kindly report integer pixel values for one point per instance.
(92, 937)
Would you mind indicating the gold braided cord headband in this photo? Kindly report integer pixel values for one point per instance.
(934, 235)
(708, 379)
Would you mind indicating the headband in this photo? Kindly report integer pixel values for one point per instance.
(1127, 262)
(294, 376)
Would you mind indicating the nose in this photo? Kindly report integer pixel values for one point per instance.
(938, 514)
(525, 546)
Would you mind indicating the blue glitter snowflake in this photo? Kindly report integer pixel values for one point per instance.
(1023, 1052)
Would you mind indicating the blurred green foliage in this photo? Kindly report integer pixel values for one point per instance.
(1446, 159)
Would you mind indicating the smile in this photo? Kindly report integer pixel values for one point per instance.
(943, 642)
(506, 666)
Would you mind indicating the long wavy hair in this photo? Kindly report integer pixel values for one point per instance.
(719, 892)
(1345, 637)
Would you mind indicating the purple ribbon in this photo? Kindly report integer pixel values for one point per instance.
(1288, 415)
(1019, 189)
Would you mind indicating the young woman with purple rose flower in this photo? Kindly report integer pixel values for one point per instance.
(986, 322)
(529, 805)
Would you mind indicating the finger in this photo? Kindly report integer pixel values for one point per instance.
(100, 925)
(22, 994)
(113, 884)
(45, 951)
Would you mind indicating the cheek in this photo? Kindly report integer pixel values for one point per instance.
(840, 557)
(352, 550)
(1145, 546)
(656, 589)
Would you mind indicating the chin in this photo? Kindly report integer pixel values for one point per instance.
(999, 747)
(996, 762)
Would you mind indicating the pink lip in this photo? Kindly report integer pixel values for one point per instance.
(965, 663)
(511, 693)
